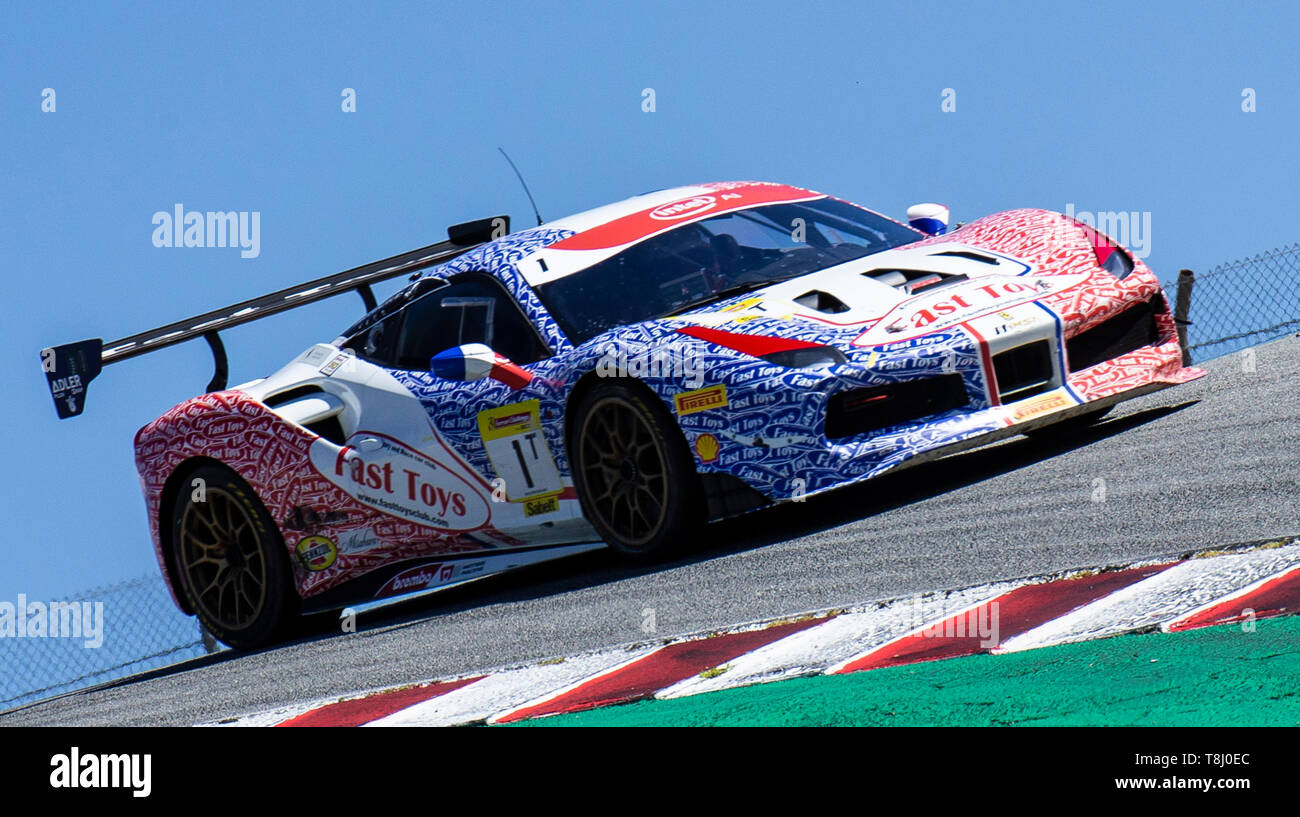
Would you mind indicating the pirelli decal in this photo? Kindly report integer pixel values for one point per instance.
(689, 402)
(1037, 406)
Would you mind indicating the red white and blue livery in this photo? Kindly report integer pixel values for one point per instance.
(621, 377)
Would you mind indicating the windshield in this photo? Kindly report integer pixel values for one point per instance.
(709, 260)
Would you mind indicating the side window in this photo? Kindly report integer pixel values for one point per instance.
(378, 342)
(474, 309)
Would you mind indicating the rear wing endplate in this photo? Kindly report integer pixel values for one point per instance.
(69, 368)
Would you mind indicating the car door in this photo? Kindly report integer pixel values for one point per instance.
(475, 456)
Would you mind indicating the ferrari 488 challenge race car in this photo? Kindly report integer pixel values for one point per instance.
(619, 377)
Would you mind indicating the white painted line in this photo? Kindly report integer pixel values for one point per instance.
(1158, 601)
(628, 657)
(1248, 589)
(1163, 597)
(509, 690)
(273, 716)
(839, 641)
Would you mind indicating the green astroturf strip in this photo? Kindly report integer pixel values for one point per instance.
(1220, 676)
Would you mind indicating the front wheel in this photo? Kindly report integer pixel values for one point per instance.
(230, 559)
(634, 474)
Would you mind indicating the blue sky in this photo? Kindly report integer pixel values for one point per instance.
(236, 106)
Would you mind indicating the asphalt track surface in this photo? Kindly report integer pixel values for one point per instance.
(1212, 463)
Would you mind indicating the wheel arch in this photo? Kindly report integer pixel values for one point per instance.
(591, 380)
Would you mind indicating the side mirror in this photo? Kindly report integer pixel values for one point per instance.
(929, 218)
(475, 361)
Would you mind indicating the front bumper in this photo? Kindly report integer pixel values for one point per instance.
(772, 435)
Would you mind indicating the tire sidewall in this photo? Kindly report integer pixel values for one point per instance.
(280, 605)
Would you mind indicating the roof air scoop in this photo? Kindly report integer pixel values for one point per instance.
(929, 218)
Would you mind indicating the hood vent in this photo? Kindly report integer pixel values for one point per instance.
(913, 281)
(967, 254)
(822, 302)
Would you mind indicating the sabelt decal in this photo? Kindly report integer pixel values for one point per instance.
(1040, 405)
(951, 306)
(317, 553)
(513, 438)
(546, 504)
(401, 481)
(689, 402)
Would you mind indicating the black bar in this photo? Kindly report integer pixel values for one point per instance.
(367, 297)
(221, 366)
(1182, 308)
(280, 301)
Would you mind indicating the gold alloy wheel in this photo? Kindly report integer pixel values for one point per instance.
(624, 470)
(222, 558)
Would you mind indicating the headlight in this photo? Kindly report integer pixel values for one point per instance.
(1110, 255)
(1117, 261)
(793, 354)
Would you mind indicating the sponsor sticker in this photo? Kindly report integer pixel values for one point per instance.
(706, 447)
(505, 421)
(402, 482)
(683, 209)
(740, 306)
(335, 363)
(689, 402)
(426, 576)
(546, 504)
(1040, 405)
(512, 435)
(950, 306)
(317, 553)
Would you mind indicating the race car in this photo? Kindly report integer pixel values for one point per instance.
(619, 378)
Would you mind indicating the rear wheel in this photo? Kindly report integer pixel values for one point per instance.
(634, 474)
(230, 559)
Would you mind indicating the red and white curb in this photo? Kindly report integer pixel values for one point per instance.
(1003, 617)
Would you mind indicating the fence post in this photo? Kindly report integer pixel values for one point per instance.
(209, 640)
(1182, 307)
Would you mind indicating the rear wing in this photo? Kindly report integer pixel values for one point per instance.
(69, 368)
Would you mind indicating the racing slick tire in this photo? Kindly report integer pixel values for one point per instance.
(230, 559)
(634, 474)
(1072, 425)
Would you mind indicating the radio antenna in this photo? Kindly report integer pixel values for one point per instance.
(520, 176)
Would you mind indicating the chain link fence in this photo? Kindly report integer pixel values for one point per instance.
(1244, 303)
(52, 648)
